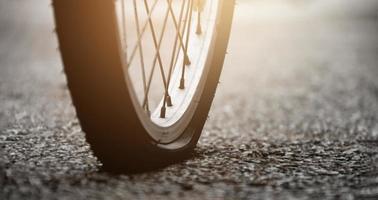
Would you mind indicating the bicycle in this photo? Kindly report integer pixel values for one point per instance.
(142, 74)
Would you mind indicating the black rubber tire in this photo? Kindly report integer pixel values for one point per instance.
(90, 53)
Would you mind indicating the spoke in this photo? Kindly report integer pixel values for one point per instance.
(187, 61)
(143, 30)
(182, 81)
(183, 30)
(157, 46)
(136, 15)
(158, 58)
(186, 58)
(153, 67)
(172, 63)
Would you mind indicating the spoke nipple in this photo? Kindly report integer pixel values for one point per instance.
(169, 101)
(182, 84)
(187, 60)
(147, 109)
(162, 112)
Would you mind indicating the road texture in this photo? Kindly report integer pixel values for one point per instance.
(295, 117)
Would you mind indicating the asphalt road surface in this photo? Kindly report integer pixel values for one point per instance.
(295, 117)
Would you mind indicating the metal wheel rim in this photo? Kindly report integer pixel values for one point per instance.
(167, 130)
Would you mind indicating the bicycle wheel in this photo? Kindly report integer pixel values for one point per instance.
(142, 74)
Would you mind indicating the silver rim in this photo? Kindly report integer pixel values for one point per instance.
(165, 45)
